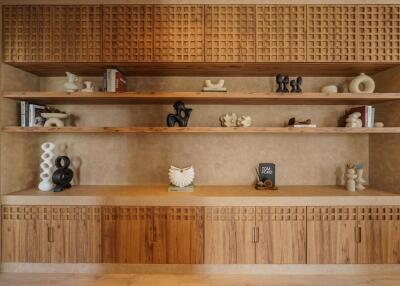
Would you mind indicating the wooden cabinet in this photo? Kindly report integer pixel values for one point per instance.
(51, 234)
(153, 235)
(379, 237)
(331, 235)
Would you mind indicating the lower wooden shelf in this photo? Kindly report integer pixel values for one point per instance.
(269, 130)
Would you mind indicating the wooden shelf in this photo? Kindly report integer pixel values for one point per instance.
(183, 130)
(306, 98)
(206, 69)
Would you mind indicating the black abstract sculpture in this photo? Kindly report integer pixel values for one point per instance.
(181, 115)
(282, 81)
(295, 84)
(62, 177)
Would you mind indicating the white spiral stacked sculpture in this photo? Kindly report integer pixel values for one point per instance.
(47, 167)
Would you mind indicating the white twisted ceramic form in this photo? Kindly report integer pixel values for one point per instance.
(47, 167)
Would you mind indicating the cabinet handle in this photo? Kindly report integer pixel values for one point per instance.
(253, 234)
(50, 234)
(154, 234)
(257, 234)
(358, 234)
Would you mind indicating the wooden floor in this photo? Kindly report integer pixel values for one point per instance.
(14, 279)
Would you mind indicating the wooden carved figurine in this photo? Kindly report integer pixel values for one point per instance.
(181, 115)
(63, 176)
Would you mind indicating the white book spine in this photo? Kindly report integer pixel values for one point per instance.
(23, 114)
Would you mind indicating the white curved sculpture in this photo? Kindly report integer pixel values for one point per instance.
(218, 86)
(364, 81)
(47, 167)
(54, 119)
(181, 177)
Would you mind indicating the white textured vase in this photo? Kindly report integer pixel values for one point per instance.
(46, 183)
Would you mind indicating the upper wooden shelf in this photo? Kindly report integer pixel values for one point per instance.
(207, 69)
(306, 98)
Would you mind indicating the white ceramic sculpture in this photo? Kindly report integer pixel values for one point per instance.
(228, 120)
(181, 177)
(244, 121)
(89, 86)
(362, 84)
(379, 125)
(350, 178)
(360, 180)
(329, 89)
(54, 119)
(46, 165)
(70, 85)
(354, 120)
(210, 86)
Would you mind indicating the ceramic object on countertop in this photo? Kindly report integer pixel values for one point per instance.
(362, 84)
(181, 177)
(89, 86)
(46, 165)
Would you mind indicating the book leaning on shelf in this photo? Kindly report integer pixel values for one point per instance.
(114, 81)
(31, 114)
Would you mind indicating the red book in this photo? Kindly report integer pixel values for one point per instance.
(364, 114)
(120, 82)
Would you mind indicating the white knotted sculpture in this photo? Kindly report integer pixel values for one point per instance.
(47, 167)
(181, 177)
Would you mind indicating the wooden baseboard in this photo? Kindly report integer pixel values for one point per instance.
(284, 269)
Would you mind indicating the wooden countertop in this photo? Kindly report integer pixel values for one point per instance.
(202, 196)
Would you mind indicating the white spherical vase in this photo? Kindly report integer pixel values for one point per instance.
(46, 183)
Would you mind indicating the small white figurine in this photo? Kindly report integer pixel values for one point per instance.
(350, 178)
(54, 119)
(360, 180)
(210, 86)
(89, 86)
(329, 89)
(181, 177)
(354, 120)
(244, 121)
(379, 125)
(70, 85)
(46, 184)
(228, 120)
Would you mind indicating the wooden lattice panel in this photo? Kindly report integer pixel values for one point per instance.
(127, 33)
(185, 213)
(230, 213)
(230, 33)
(379, 33)
(76, 32)
(135, 213)
(178, 33)
(379, 213)
(79, 213)
(332, 33)
(26, 213)
(331, 213)
(281, 33)
(26, 33)
(287, 213)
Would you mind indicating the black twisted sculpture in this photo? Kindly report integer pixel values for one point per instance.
(181, 115)
(62, 177)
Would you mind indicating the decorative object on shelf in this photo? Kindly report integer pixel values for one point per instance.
(89, 86)
(181, 115)
(210, 86)
(70, 85)
(76, 163)
(228, 120)
(46, 165)
(354, 120)
(350, 178)
(298, 124)
(181, 179)
(362, 84)
(360, 180)
(329, 89)
(54, 119)
(282, 81)
(296, 84)
(63, 176)
(379, 125)
(244, 121)
(265, 176)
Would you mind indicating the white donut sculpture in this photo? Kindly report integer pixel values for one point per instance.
(364, 81)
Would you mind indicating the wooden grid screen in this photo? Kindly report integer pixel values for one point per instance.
(281, 33)
(26, 33)
(230, 33)
(332, 33)
(178, 33)
(127, 33)
(379, 213)
(230, 213)
(331, 213)
(379, 33)
(76, 32)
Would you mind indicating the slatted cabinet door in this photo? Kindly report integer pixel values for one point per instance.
(280, 235)
(25, 232)
(380, 235)
(229, 235)
(185, 235)
(76, 234)
(331, 235)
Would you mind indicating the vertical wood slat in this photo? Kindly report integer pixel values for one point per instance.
(332, 33)
(379, 33)
(331, 233)
(178, 33)
(281, 33)
(230, 33)
(25, 234)
(127, 33)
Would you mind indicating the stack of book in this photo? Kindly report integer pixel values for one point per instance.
(114, 81)
(31, 114)
(367, 115)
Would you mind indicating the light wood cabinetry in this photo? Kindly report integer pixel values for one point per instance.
(331, 235)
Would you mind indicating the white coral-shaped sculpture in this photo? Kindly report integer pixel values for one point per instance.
(228, 120)
(244, 121)
(181, 177)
